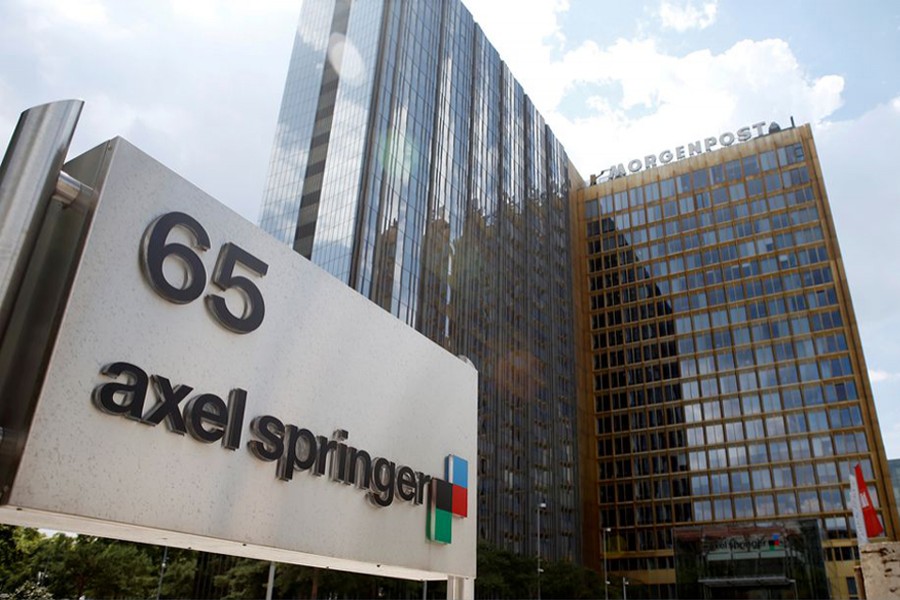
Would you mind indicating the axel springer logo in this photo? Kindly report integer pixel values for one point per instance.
(449, 498)
(208, 418)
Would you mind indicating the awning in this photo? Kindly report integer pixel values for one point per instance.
(762, 580)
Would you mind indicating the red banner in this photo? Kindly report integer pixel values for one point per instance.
(870, 517)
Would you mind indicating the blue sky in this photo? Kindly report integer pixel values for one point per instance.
(197, 84)
(859, 41)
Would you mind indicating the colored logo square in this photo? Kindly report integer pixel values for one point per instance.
(460, 501)
(439, 526)
(457, 470)
(448, 498)
(442, 493)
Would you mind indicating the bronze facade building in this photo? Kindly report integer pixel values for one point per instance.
(724, 396)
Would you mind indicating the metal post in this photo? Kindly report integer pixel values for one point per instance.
(424, 589)
(603, 533)
(28, 176)
(460, 588)
(162, 571)
(624, 588)
(270, 584)
(541, 507)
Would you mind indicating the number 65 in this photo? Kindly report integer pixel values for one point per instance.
(155, 250)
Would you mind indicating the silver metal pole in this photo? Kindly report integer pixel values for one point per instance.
(541, 506)
(28, 176)
(162, 571)
(605, 567)
(271, 583)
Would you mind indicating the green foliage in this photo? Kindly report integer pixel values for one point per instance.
(95, 567)
(567, 580)
(246, 579)
(28, 591)
(295, 581)
(62, 566)
(181, 569)
(40, 567)
(17, 548)
(502, 574)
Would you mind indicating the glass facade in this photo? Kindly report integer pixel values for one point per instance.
(778, 560)
(410, 164)
(724, 379)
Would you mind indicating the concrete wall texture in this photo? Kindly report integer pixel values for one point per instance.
(881, 570)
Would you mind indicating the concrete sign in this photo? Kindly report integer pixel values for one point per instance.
(210, 388)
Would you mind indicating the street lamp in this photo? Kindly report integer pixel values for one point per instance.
(540, 507)
(603, 533)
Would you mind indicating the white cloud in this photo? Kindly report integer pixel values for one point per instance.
(685, 15)
(512, 26)
(84, 16)
(878, 376)
(84, 12)
(643, 93)
(222, 14)
(527, 35)
(631, 91)
(195, 84)
(886, 387)
(858, 159)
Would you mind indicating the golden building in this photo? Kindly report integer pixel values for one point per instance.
(724, 393)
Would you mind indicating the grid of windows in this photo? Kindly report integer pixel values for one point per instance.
(721, 364)
(290, 151)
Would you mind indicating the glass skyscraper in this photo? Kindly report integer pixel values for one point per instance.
(724, 396)
(410, 164)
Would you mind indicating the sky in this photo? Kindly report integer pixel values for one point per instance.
(197, 84)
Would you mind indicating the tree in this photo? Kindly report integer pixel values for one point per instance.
(564, 579)
(246, 579)
(96, 567)
(29, 591)
(18, 546)
(502, 574)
